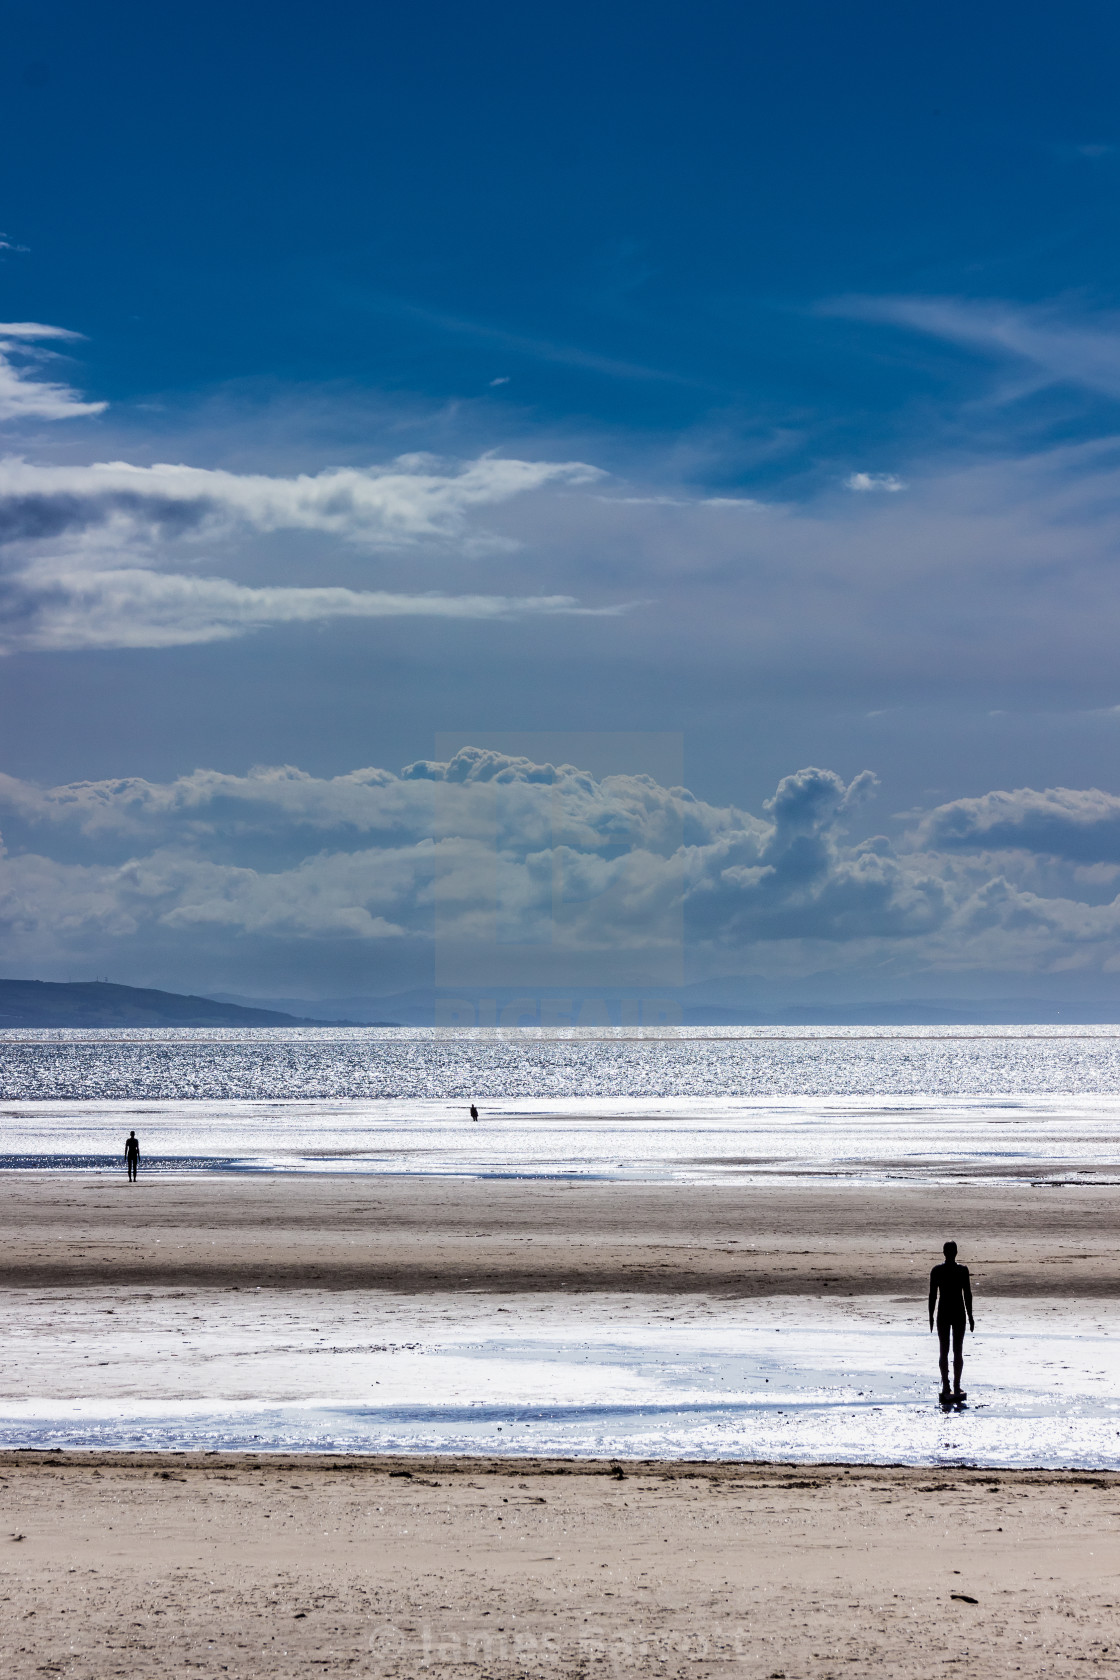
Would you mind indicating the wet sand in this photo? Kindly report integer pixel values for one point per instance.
(233, 1231)
(280, 1567)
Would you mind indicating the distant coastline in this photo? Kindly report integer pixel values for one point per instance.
(99, 1003)
(706, 1004)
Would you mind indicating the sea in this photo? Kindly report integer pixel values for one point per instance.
(796, 1380)
(667, 1104)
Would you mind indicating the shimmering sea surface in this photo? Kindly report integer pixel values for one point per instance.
(661, 1105)
(461, 1064)
(783, 1379)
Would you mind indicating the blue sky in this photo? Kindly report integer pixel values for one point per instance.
(633, 214)
(744, 374)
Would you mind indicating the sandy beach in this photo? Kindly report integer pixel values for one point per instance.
(275, 1567)
(268, 1563)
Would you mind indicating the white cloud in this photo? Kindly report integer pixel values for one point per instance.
(988, 572)
(275, 800)
(93, 555)
(34, 330)
(874, 481)
(415, 497)
(1078, 824)
(143, 609)
(87, 546)
(24, 394)
(213, 869)
(857, 593)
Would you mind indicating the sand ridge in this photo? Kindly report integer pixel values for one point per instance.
(407, 1234)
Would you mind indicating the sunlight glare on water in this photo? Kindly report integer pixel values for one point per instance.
(677, 1106)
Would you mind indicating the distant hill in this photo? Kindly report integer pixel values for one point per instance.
(96, 1003)
(690, 1006)
(343, 1011)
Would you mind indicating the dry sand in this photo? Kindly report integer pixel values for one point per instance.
(136, 1566)
(278, 1567)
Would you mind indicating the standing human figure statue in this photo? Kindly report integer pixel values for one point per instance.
(474, 1112)
(132, 1155)
(950, 1297)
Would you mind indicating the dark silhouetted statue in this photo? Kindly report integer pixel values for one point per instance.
(950, 1299)
(132, 1155)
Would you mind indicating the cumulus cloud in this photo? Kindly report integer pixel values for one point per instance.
(278, 866)
(24, 393)
(275, 800)
(1081, 825)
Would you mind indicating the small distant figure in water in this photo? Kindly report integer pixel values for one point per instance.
(474, 1112)
(950, 1293)
(132, 1155)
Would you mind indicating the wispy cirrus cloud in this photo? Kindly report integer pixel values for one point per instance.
(1058, 345)
(534, 348)
(24, 393)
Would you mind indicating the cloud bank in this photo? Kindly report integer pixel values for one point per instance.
(279, 877)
